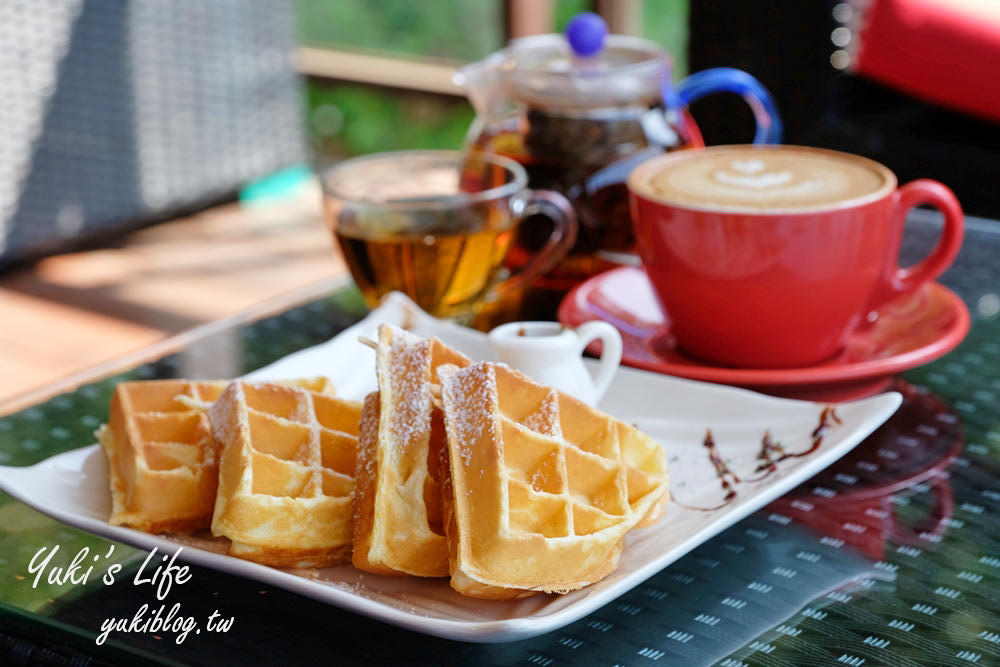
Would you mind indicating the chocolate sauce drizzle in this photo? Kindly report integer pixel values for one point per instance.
(770, 455)
(727, 478)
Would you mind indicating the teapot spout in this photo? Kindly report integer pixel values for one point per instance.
(484, 85)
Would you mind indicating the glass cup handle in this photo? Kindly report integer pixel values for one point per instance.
(564, 228)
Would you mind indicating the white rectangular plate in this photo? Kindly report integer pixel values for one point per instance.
(73, 487)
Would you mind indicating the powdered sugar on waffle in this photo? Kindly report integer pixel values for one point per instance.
(477, 385)
(219, 414)
(545, 419)
(404, 374)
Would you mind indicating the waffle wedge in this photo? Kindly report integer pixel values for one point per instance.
(397, 509)
(542, 488)
(319, 385)
(161, 455)
(286, 474)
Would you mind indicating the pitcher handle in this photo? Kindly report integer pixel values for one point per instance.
(564, 228)
(611, 352)
(731, 80)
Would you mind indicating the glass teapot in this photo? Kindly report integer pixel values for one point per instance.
(579, 112)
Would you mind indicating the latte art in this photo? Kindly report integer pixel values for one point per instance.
(758, 181)
(760, 178)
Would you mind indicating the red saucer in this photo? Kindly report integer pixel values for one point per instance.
(909, 332)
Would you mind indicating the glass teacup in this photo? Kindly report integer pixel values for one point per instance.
(437, 225)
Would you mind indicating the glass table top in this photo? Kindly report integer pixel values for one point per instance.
(891, 556)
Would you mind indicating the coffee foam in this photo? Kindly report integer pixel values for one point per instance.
(760, 179)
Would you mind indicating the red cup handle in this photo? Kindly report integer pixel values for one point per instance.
(899, 281)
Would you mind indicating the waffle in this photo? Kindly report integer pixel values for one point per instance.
(161, 455)
(285, 474)
(320, 385)
(542, 488)
(162, 458)
(397, 510)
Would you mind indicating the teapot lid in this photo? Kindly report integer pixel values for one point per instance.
(544, 70)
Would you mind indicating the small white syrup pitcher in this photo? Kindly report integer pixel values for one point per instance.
(549, 353)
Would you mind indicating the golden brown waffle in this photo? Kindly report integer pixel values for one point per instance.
(286, 474)
(542, 488)
(397, 509)
(162, 458)
(320, 385)
(161, 455)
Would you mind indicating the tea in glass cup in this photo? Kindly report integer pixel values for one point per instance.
(437, 226)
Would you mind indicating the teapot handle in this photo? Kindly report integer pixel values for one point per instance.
(731, 80)
(611, 352)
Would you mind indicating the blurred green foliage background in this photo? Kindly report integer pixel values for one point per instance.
(346, 119)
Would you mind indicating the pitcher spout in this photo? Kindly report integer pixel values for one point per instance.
(484, 85)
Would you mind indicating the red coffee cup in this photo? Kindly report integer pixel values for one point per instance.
(768, 256)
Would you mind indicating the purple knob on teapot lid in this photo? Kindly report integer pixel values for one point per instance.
(586, 33)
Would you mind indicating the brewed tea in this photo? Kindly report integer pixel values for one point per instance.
(442, 273)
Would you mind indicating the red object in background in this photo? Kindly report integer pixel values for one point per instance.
(946, 52)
